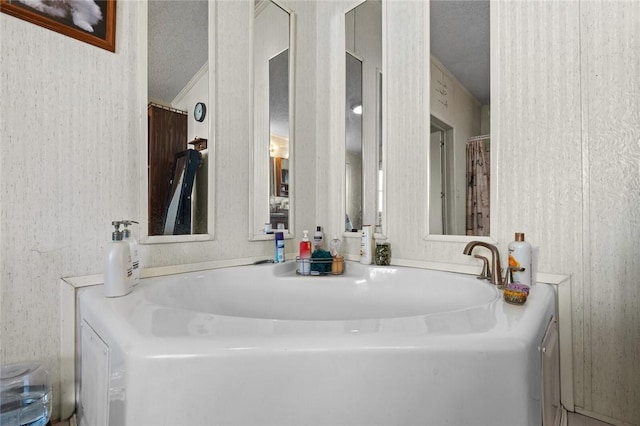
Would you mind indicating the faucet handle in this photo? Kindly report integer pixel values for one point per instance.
(486, 271)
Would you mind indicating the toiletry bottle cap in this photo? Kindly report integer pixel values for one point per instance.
(318, 228)
(519, 236)
(305, 235)
(116, 235)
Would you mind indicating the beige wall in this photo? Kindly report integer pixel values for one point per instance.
(568, 126)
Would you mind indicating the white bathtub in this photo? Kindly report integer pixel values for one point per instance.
(258, 345)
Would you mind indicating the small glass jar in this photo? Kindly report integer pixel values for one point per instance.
(383, 254)
(337, 265)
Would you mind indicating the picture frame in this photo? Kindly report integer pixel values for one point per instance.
(94, 23)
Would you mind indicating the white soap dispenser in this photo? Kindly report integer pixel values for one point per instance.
(117, 270)
(133, 250)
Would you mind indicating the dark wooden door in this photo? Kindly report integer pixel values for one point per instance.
(167, 137)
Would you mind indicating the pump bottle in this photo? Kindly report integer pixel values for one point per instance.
(133, 249)
(305, 254)
(118, 270)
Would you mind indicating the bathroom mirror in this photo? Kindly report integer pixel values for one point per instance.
(363, 117)
(273, 137)
(459, 153)
(177, 206)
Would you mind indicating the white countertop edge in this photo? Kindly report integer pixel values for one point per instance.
(89, 280)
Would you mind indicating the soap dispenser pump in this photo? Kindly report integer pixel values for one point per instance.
(133, 250)
(118, 270)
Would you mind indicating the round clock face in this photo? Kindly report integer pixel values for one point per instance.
(199, 111)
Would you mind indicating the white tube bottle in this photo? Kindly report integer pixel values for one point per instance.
(520, 260)
(117, 269)
(366, 243)
(318, 238)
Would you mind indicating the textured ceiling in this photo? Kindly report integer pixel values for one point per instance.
(178, 43)
(460, 40)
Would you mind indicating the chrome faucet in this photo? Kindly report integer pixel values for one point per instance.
(496, 270)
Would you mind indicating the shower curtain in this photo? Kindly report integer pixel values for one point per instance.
(478, 179)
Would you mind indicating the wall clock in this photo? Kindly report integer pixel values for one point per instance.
(199, 111)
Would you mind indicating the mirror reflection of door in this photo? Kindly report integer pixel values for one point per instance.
(460, 97)
(167, 137)
(363, 109)
(436, 190)
(177, 55)
(460, 106)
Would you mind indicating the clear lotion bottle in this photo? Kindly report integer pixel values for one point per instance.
(520, 260)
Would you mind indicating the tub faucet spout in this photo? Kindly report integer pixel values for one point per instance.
(496, 269)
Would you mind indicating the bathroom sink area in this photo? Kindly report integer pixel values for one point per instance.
(259, 344)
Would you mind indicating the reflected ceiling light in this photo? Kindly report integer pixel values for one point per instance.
(357, 109)
(278, 147)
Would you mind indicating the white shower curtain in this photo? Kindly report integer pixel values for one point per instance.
(478, 184)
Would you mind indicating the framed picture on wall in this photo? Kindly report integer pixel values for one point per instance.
(90, 21)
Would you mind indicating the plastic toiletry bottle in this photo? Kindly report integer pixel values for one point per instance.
(366, 242)
(117, 270)
(279, 247)
(318, 238)
(335, 246)
(520, 260)
(337, 265)
(305, 254)
(133, 249)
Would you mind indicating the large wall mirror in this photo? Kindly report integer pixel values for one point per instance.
(178, 110)
(459, 154)
(273, 137)
(363, 117)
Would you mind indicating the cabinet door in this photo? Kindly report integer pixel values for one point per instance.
(551, 409)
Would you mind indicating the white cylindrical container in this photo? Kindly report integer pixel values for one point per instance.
(366, 244)
(520, 260)
(318, 239)
(118, 274)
